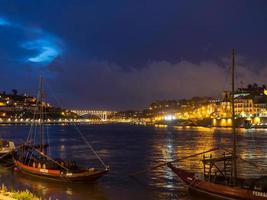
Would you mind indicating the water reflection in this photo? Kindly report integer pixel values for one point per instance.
(127, 149)
(55, 190)
(184, 141)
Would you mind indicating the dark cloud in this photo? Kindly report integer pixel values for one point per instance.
(107, 85)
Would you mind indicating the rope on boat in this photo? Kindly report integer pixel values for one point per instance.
(244, 160)
(33, 132)
(253, 164)
(49, 158)
(31, 128)
(90, 146)
(20, 146)
(169, 162)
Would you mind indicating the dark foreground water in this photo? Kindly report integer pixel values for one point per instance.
(129, 148)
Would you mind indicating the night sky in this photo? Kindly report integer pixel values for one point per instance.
(121, 54)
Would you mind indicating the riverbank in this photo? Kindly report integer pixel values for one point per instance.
(54, 122)
(16, 195)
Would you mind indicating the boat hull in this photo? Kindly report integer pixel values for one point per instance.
(57, 175)
(216, 191)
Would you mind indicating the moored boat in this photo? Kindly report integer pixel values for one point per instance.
(62, 174)
(247, 190)
(220, 180)
(33, 159)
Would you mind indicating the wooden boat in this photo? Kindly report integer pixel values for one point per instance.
(57, 174)
(243, 190)
(223, 183)
(32, 158)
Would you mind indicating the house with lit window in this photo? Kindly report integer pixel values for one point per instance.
(250, 104)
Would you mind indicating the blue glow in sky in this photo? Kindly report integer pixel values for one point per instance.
(3, 22)
(47, 51)
(44, 45)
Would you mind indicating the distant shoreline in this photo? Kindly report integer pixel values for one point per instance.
(52, 122)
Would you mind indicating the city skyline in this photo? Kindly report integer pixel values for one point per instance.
(124, 54)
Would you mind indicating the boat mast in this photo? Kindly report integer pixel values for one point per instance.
(234, 165)
(41, 99)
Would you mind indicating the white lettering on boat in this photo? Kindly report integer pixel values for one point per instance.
(69, 174)
(259, 194)
(189, 178)
(44, 170)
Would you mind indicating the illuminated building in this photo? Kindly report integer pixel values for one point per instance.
(250, 107)
(251, 101)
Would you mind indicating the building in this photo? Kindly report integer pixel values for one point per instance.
(250, 107)
(249, 102)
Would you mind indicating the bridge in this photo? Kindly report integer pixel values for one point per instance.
(102, 114)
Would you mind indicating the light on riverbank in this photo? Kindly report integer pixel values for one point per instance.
(169, 118)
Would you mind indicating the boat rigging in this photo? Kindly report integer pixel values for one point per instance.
(33, 159)
(223, 183)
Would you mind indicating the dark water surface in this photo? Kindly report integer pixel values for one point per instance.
(130, 148)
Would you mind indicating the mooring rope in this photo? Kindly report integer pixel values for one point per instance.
(49, 158)
(247, 161)
(90, 146)
(169, 162)
(33, 136)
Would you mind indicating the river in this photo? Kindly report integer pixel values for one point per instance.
(127, 149)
